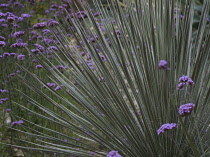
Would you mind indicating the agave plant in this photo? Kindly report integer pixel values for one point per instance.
(136, 85)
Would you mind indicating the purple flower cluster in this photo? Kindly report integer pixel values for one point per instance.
(184, 80)
(2, 38)
(40, 25)
(40, 47)
(113, 154)
(39, 66)
(3, 91)
(52, 23)
(17, 123)
(186, 109)
(18, 34)
(165, 127)
(21, 57)
(163, 65)
(2, 100)
(2, 43)
(19, 45)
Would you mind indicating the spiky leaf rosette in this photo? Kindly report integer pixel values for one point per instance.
(123, 93)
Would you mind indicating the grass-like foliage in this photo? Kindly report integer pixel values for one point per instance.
(123, 81)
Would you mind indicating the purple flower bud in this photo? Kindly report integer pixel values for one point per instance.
(163, 65)
(11, 75)
(113, 154)
(40, 47)
(186, 109)
(166, 127)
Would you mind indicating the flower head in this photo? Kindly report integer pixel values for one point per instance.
(165, 127)
(2, 43)
(18, 34)
(39, 66)
(21, 57)
(163, 65)
(184, 80)
(186, 109)
(40, 25)
(17, 123)
(19, 45)
(113, 154)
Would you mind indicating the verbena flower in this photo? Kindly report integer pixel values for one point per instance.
(18, 34)
(21, 57)
(8, 110)
(113, 154)
(40, 25)
(39, 66)
(2, 38)
(17, 123)
(166, 127)
(163, 65)
(2, 43)
(186, 109)
(184, 80)
(15, 45)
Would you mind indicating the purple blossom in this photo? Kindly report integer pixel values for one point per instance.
(26, 15)
(180, 86)
(52, 23)
(19, 45)
(4, 5)
(8, 110)
(51, 84)
(165, 127)
(186, 109)
(13, 54)
(21, 57)
(4, 99)
(52, 48)
(58, 87)
(18, 34)
(40, 25)
(60, 67)
(4, 25)
(11, 75)
(92, 153)
(40, 47)
(2, 43)
(45, 31)
(2, 14)
(2, 38)
(184, 80)
(12, 18)
(3, 91)
(2, 21)
(163, 65)
(6, 54)
(17, 123)
(36, 51)
(39, 66)
(113, 154)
